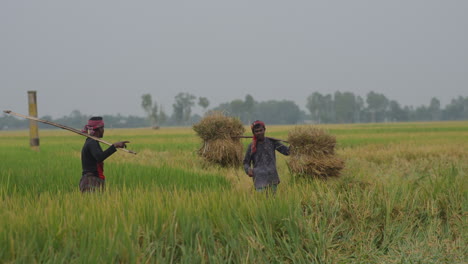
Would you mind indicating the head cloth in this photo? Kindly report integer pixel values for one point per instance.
(254, 125)
(92, 125)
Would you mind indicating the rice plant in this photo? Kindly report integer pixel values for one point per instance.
(400, 199)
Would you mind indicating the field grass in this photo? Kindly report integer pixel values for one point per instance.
(402, 198)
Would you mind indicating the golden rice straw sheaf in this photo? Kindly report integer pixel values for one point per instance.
(312, 153)
(220, 145)
(224, 152)
(311, 141)
(321, 167)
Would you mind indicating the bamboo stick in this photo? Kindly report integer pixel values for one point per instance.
(66, 128)
(272, 138)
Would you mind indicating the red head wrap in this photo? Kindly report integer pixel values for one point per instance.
(92, 125)
(254, 138)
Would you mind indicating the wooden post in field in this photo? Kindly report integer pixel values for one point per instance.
(33, 126)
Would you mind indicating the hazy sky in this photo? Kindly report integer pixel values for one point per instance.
(100, 57)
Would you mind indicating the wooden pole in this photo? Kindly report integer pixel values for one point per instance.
(33, 127)
(272, 138)
(66, 128)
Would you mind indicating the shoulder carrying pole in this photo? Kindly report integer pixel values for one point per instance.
(66, 128)
(272, 138)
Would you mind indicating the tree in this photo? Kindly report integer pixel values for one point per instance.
(162, 115)
(345, 107)
(422, 113)
(359, 109)
(151, 109)
(237, 108)
(203, 102)
(377, 105)
(315, 107)
(329, 115)
(11, 122)
(183, 107)
(321, 107)
(396, 113)
(434, 109)
(75, 119)
(249, 105)
(457, 109)
(244, 110)
(278, 112)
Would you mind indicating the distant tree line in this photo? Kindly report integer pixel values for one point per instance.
(341, 107)
(344, 107)
(271, 112)
(349, 108)
(75, 119)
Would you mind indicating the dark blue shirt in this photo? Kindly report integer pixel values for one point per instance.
(264, 162)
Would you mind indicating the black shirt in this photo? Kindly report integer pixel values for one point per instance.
(92, 157)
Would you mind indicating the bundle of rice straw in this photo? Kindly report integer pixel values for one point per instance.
(312, 152)
(221, 142)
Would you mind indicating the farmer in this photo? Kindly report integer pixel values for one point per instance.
(261, 153)
(92, 156)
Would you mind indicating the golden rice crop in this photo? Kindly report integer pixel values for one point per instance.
(312, 153)
(311, 141)
(321, 167)
(220, 145)
(222, 151)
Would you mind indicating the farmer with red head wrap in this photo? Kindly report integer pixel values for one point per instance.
(92, 156)
(261, 154)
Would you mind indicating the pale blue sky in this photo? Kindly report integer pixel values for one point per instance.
(99, 57)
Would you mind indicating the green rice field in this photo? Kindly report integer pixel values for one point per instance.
(402, 198)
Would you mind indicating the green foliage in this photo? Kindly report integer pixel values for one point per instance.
(271, 112)
(348, 108)
(183, 107)
(203, 102)
(320, 107)
(338, 108)
(151, 109)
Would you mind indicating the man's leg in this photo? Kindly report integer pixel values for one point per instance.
(270, 189)
(91, 184)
